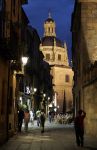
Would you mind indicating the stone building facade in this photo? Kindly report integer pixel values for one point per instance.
(17, 39)
(55, 53)
(84, 49)
(10, 53)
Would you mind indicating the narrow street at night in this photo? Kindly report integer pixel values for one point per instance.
(48, 74)
(55, 137)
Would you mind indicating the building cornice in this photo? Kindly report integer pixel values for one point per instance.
(86, 1)
(62, 66)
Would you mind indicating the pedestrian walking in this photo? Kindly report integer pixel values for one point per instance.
(38, 113)
(26, 119)
(20, 119)
(42, 120)
(31, 117)
(50, 116)
(79, 127)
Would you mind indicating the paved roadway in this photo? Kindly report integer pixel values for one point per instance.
(55, 137)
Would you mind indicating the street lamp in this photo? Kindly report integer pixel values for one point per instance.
(24, 62)
(48, 98)
(35, 89)
(44, 95)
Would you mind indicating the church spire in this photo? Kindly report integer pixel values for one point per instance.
(49, 15)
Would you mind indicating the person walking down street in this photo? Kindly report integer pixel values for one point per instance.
(26, 119)
(79, 127)
(38, 112)
(31, 117)
(42, 120)
(20, 119)
(50, 116)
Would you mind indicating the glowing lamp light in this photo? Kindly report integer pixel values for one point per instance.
(24, 60)
(44, 95)
(35, 89)
(50, 105)
(48, 98)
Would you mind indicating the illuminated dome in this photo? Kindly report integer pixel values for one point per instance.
(51, 41)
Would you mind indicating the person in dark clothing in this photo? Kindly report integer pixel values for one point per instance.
(42, 120)
(50, 116)
(79, 127)
(20, 119)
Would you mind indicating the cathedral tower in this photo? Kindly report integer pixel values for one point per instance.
(55, 53)
(49, 27)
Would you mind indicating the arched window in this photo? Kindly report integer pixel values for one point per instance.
(47, 56)
(67, 78)
(49, 29)
(59, 57)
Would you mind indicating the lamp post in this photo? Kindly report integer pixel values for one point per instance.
(24, 62)
(17, 92)
(33, 93)
(35, 89)
(47, 105)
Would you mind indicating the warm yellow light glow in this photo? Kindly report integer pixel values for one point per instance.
(50, 105)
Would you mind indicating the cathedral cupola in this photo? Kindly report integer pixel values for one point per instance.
(49, 26)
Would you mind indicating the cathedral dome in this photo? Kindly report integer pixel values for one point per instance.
(51, 41)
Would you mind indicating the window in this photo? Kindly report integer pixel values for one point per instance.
(67, 78)
(49, 29)
(47, 56)
(59, 57)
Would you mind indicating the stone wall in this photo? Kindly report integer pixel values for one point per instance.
(89, 27)
(84, 49)
(90, 106)
(3, 99)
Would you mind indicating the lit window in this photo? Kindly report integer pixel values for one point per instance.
(47, 56)
(67, 78)
(59, 57)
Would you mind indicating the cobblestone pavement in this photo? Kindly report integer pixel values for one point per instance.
(55, 137)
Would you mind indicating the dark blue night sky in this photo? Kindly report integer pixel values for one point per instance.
(61, 10)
